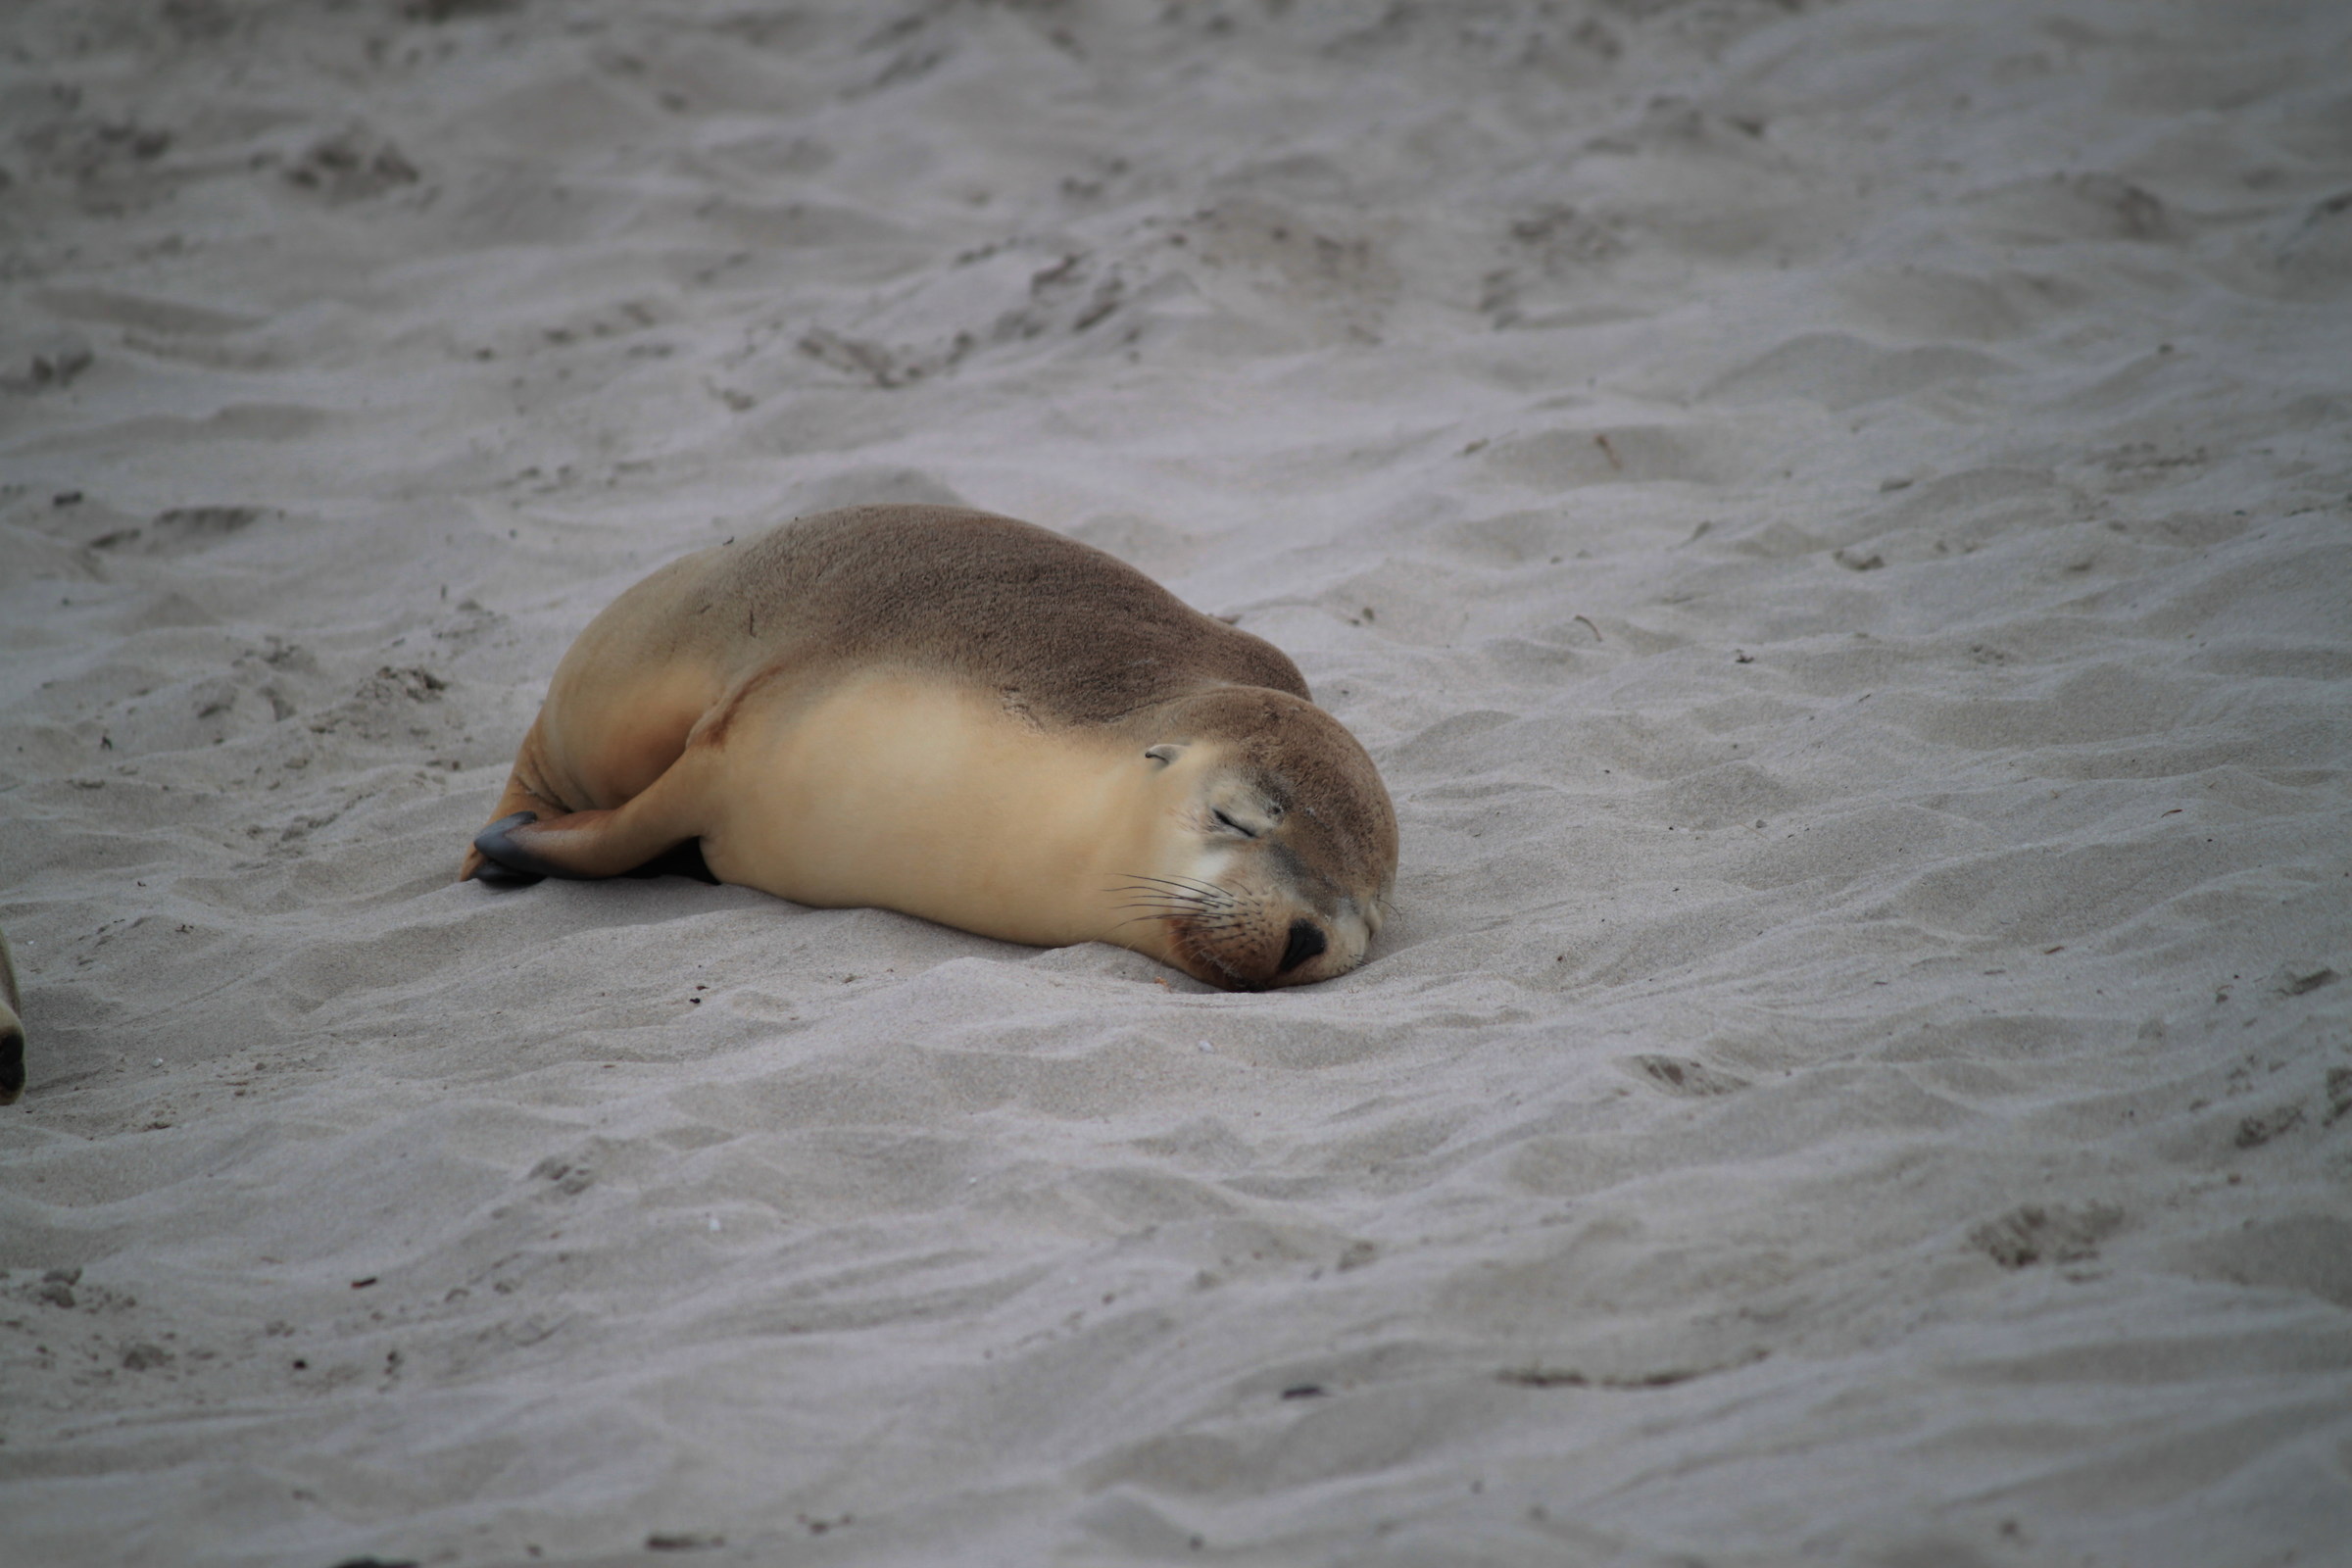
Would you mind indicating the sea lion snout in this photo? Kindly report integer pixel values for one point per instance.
(1244, 943)
(1307, 941)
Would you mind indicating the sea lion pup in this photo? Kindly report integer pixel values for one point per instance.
(12, 1028)
(965, 719)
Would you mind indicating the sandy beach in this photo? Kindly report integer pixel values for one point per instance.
(1834, 519)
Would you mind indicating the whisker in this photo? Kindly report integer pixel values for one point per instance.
(1175, 894)
(1131, 921)
(1219, 920)
(1191, 885)
(1202, 901)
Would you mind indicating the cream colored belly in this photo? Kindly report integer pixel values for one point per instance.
(917, 795)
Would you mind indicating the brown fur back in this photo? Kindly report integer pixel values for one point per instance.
(1061, 630)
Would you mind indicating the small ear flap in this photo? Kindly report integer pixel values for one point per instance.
(1165, 753)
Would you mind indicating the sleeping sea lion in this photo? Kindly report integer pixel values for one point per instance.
(966, 718)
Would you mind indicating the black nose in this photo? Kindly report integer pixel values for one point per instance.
(1307, 940)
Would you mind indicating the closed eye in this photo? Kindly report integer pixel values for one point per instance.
(1228, 822)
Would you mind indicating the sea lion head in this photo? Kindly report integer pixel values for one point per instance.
(1275, 846)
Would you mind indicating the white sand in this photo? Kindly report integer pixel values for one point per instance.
(1836, 521)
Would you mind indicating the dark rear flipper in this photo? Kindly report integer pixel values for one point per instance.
(585, 846)
(505, 862)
